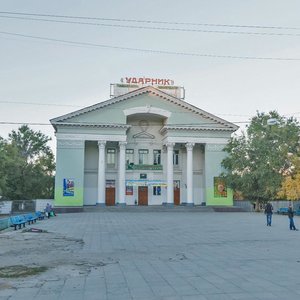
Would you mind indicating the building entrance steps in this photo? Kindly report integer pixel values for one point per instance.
(161, 208)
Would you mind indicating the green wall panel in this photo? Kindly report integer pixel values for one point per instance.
(61, 200)
(214, 155)
(212, 200)
(69, 165)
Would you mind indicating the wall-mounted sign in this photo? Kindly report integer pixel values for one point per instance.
(68, 187)
(144, 167)
(146, 81)
(141, 182)
(143, 176)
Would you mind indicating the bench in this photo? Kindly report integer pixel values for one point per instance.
(283, 211)
(40, 215)
(297, 212)
(17, 221)
(30, 218)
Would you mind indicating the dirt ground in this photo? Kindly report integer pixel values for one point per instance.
(29, 259)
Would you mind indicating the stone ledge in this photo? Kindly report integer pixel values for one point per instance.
(68, 209)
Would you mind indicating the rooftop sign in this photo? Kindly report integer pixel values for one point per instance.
(129, 84)
(147, 81)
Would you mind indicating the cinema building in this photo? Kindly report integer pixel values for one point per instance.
(144, 146)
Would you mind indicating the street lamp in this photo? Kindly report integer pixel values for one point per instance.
(272, 122)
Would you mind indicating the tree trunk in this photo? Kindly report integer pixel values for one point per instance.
(257, 209)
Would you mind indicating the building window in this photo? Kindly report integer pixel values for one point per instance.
(156, 157)
(111, 156)
(156, 191)
(129, 156)
(143, 156)
(176, 157)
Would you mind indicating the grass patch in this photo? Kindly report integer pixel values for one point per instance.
(20, 271)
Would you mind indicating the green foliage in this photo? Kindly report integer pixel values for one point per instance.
(290, 189)
(2, 166)
(258, 159)
(26, 165)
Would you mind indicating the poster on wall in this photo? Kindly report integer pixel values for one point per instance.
(129, 190)
(220, 188)
(68, 188)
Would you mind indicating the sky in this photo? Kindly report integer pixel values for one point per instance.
(233, 57)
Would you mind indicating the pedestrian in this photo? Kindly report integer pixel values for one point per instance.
(291, 217)
(52, 212)
(268, 213)
(48, 210)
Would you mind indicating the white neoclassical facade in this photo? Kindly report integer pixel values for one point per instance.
(145, 147)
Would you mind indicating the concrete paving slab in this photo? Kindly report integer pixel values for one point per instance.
(147, 254)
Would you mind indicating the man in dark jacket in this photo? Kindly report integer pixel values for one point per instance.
(268, 213)
(291, 217)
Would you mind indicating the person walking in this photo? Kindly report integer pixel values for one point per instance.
(268, 213)
(291, 217)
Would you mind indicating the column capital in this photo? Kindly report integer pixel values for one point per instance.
(101, 144)
(189, 146)
(170, 145)
(122, 144)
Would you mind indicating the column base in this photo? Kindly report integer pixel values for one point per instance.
(100, 204)
(168, 204)
(121, 204)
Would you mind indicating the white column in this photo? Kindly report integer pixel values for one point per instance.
(170, 179)
(121, 200)
(189, 173)
(101, 173)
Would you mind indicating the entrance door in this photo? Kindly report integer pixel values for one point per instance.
(143, 195)
(110, 193)
(176, 192)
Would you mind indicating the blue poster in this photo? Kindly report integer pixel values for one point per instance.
(68, 187)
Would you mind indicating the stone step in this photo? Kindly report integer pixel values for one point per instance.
(228, 209)
(152, 208)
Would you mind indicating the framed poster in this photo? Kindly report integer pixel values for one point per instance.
(220, 188)
(129, 190)
(68, 187)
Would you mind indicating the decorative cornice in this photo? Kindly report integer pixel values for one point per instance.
(214, 147)
(196, 140)
(78, 144)
(91, 137)
(195, 128)
(89, 124)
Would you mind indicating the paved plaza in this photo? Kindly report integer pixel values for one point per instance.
(148, 254)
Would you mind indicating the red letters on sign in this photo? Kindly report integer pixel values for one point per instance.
(148, 81)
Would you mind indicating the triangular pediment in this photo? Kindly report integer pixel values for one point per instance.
(113, 112)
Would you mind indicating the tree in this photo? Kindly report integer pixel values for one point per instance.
(32, 145)
(259, 158)
(290, 189)
(2, 166)
(28, 165)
